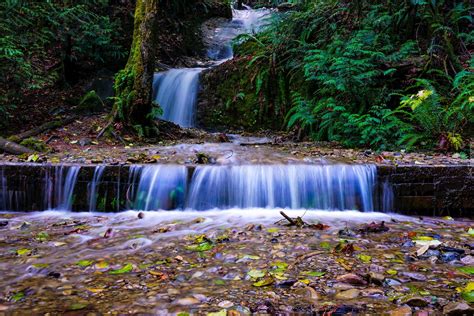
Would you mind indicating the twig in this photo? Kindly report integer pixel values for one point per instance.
(289, 219)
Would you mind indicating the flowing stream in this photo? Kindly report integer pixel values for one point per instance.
(176, 90)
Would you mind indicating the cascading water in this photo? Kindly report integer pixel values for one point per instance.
(243, 21)
(161, 187)
(328, 187)
(93, 187)
(64, 187)
(176, 92)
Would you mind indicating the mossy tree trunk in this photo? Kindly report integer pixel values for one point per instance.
(133, 85)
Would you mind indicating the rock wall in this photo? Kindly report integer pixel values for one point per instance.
(431, 190)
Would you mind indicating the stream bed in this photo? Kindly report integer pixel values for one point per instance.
(233, 262)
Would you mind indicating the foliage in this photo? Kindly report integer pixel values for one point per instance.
(338, 70)
(46, 42)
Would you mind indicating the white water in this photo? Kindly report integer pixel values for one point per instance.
(243, 21)
(176, 90)
(176, 93)
(93, 187)
(64, 191)
(161, 187)
(327, 187)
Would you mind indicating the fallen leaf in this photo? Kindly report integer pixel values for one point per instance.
(125, 269)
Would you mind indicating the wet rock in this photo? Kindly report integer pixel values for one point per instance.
(452, 249)
(187, 301)
(372, 292)
(450, 256)
(54, 274)
(351, 278)
(285, 284)
(141, 215)
(468, 260)
(415, 301)
(401, 311)
(346, 232)
(458, 308)
(225, 304)
(85, 142)
(348, 295)
(342, 286)
(376, 278)
(3, 223)
(414, 276)
(430, 253)
(392, 282)
(310, 295)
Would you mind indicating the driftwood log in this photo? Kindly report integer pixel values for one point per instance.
(13, 148)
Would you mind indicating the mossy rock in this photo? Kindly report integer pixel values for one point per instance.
(90, 103)
(34, 144)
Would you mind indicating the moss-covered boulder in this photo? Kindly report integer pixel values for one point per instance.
(90, 103)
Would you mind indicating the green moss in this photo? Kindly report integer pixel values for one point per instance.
(34, 144)
(90, 103)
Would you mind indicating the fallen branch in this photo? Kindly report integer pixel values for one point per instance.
(289, 219)
(43, 128)
(13, 148)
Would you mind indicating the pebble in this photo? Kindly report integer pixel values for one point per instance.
(310, 295)
(351, 278)
(457, 308)
(187, 301)
(392, 282)
(401, 311)
(225, 304)
(376, 278)
(415, 276)
(468, 260)
(348, 295)
(415, 301)
(449, 256)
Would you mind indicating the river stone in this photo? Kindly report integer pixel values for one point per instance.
(415, 301)
(225, 304)
(414, 276)
(376, 278)
(351, 278)
(468, 260)
(401, 311)
(458, 308)
(187, 301)
(348, 295)
(450, 256)
(309, 294)
(392, 282)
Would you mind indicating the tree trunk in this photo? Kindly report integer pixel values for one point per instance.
(133, 85)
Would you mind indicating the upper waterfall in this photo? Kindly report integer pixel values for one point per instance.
(176, 90)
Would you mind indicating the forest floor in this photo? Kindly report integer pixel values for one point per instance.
(78, 143)
(234, 263)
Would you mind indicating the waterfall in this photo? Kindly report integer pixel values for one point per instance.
(161, 187)
(93, 187)
(64, 186)
(243, 21)
(327, 187)
(176, 92)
